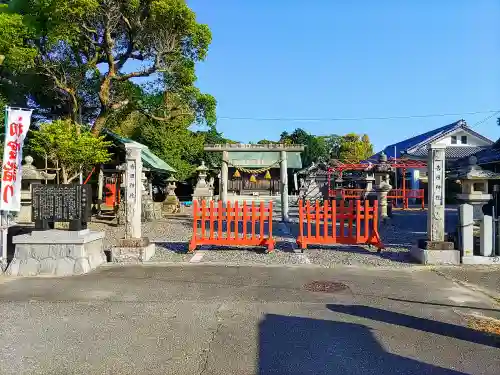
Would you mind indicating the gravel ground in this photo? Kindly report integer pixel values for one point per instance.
(172, 236)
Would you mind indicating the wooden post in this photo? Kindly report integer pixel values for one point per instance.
(405, 199)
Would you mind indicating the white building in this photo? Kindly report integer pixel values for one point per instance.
(460, 139)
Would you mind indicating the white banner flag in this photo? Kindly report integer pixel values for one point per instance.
(17, 123)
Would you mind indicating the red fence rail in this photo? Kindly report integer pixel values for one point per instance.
(232, 225)
(358, 224)
(347, 193)
(395, 194)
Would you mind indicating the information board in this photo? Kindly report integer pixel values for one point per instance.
(61, 203)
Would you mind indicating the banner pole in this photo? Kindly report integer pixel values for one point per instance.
(4, 225)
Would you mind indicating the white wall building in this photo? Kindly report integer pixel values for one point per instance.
(460, 139)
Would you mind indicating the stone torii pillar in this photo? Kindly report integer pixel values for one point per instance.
(282, 149)
(284, 186)
(224, 176)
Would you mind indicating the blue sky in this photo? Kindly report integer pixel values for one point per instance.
(329, 59)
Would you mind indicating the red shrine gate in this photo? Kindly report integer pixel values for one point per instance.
(402, 194)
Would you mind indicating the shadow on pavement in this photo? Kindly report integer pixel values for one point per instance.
(295, 345)
(177, 247)
(421, 324)
(443, 304)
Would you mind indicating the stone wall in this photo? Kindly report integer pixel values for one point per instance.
(57, 253)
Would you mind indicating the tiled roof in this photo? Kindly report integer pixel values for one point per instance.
(418, 144)
(452, 152)
(149, 159)
(485, 156)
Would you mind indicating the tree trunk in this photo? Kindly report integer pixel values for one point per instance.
(99, 124)
(64, 174)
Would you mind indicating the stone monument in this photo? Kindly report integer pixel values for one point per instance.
(202, 190)
(171, 204)
(133, 248)
(434, 249)
(382, 186)
(53, 252)
(309, 188)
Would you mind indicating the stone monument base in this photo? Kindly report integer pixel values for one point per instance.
(482, 260)
(435, 252)
(57, 253)
(132, 250)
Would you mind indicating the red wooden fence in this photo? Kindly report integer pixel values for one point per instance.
(395, 194)
(358, 224)
(232, 225)
(415, 194)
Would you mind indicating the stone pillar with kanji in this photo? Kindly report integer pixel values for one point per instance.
(435, 215)
(435, 249)
(133, 248)
(133, 190)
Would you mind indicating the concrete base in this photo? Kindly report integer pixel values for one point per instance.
(141, 252)
(475, 259)
(424, 256)
(57, 253)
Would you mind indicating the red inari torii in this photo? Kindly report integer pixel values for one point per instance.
(368, 165)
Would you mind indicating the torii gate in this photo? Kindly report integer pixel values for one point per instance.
(282, 148)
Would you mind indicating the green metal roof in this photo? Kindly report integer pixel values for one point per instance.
(149, 159)
(260, 159)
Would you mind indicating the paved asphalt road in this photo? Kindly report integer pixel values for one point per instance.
(199, 319)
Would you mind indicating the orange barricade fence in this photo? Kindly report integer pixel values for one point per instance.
(357, 224)
(232, 224)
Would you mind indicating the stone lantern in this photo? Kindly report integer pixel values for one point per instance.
(171, 203)
(147, 198)
(382, 184)
(202, 190)
(30, 176)
(368, 179)
(474, 181)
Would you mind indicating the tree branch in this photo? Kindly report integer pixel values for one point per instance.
(166, 118)
(121, 104)
(143, 73)
(73, 177)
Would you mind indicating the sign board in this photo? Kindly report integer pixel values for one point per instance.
(61, 203)
(17, 123)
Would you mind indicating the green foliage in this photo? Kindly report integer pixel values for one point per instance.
(266, 142)
(66, 58)
(315, 147)
(354, 148)
(177, 145)
(350, 147)
(67, 145)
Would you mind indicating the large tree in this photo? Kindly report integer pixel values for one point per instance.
(315, 147)
(81, 58)
(65, 144)
(355, 148)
